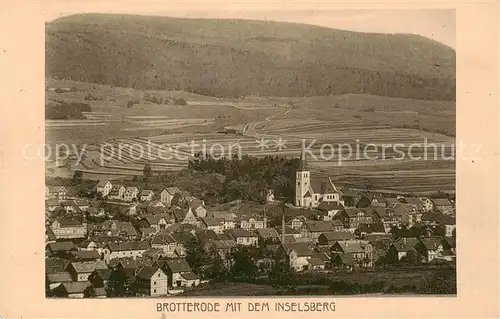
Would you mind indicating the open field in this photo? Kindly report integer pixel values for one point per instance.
(335, 130)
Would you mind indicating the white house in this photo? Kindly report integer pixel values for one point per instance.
(104, 187)
(131, 193)
(147, 195)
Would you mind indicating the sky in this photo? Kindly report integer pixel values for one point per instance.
(437, 24)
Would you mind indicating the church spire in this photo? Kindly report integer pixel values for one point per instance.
(303, 162)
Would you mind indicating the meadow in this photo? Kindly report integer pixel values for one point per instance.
(171, 133)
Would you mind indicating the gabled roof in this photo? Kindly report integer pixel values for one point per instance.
(450, 240)
(391, 200)
(146, 272)
(224, 244)
(267, 233)
(318, 225)
(57, 277)
(238, 232)
(324, 186)
(329, 206)
(69, 222)
(431, 243)
(146, 192)
(371, 228)
(350, 246)
(173, 190)
(441, 202)
(213, 221)
(334, 236)
(102, 273)
(350, 193)
(189, 276)
(314, 261)
(52, 202)
(162, 239)
(379, 237)
(353, 211)
(76, 287)
(85, 254)
(102, 183)
(88, 266)
(61, 246)
(405, 244)
(417, 202)
(178, 265)
(302, 249)
(129, 246)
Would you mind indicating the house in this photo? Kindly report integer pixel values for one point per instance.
(416, 203)
(315, 263)
(131, 194)
(54, 265)
(179, 274)
(159, 222)
(390, 217)
(168, 193)
(104, 188)
(182, 239)
(51, 204)
(49, 236)
(243, 237)
(57, 192)
(312, 229)
(82, 203)
(165, 242)
(131, 249)
(115, 228)
(441, 220)
(331, 237)
(343, 261)
(430, 247)
(298, 255)
(146, 195)
(252, 222)
(186, 217)
(224, 247)
(197, 206)
(361, 251)
(95, 292)
(99, 278)
(401, 248)
(151, 281)
(351, 217)
(55, 279)
(81, 270)
(58, 249)
(215, 224)
(268, 235)
(408, 213)
(74, 289)
(296, 222)
(68, 228)
(331, 208)
(443, 205)
(291, 234)
(117, 192)
(350, 198)
(369, 228)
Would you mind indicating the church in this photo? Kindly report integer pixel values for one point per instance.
(310, 192)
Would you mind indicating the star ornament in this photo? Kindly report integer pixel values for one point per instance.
(263, 144)
(280, 144)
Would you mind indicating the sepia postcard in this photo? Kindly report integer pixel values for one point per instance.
(229, 158)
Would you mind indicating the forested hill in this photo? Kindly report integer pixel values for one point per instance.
(230, 58)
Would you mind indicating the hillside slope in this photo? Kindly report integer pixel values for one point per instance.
(244, 57)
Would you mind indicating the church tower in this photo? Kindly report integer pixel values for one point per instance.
(302, 181)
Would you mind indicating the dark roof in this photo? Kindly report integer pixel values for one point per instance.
(52, 202)
(288, 230)
(129, 245)
(268, 233)
(224, 244)
(314, 261)
(405, 244)
(328, 206)
(146, 272)
(63, 276)
(213, 221)
(431, 243)
(323, 186)
(76, 287)
(350, 246)
(54, 265)
(334, 236)
(189, 276)
(61, 246)
(319, 226)
(182, 238)
(238, 232)
(353, 211)
(371, 228)
(146, 192)
(438, 218)
(69, 222)
(85, 254)
(302, 249)
(88, 266)
(450, 240)
(103, 273)
(345, 259)
(178, 265)
(350, 193)
(162, 239)
(378, 237)
(441, 202)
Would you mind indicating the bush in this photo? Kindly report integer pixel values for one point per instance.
(370, 109)
(180, 101)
